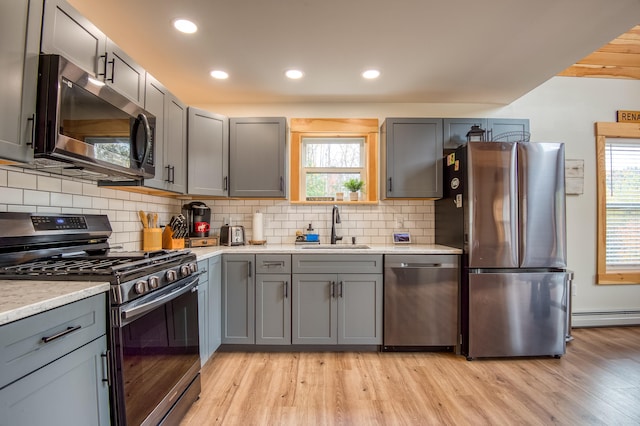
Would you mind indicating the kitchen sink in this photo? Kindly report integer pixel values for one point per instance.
(335, 247)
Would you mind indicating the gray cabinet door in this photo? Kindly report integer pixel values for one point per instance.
(170, 138)
(72, 390)
(499, 128)
(360, 309)
(456, 129)
(155, 102)
(215, 307)
(20, 46)
(208, 160)
(175, 146)
(66, 32)
(412, 153)
(315, 309)
(203, 315)
(257, 153)
(124, 74)
(238, 299)
(273, 309)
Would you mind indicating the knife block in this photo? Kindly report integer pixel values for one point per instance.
(171, 243)
(151, 239)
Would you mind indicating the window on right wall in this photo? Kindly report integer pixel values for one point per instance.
(618, 170)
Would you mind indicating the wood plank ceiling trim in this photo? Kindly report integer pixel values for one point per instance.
(618, 59)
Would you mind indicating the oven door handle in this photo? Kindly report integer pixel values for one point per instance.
(127, 314)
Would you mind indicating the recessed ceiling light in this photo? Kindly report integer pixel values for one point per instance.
(185, 26)
(219, 74)
(294, 74)
(370, 74)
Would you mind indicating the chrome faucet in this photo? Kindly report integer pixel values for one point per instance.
(335, 218)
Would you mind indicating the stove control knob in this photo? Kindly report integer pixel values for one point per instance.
(140, 287)
(185, 270)
(172, 275)
(193, 267)
(154, 282)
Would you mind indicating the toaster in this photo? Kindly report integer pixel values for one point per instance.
(232, 235)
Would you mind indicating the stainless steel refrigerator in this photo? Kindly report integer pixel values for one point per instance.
(504, 206)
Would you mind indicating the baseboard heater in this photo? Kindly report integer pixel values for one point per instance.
(605, 318)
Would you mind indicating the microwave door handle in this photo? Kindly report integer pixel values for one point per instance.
(147, 137)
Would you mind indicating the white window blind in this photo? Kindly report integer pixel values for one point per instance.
(622, 162)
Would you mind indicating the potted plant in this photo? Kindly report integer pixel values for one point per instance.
(354, 185)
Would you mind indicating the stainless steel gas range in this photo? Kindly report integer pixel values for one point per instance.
(153, 307)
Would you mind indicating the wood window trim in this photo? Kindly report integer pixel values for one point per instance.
(604, 131)
(366, 128)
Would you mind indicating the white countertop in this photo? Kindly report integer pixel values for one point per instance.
(20, 299)
(206, 252)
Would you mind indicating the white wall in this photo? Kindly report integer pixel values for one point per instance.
(562, 109)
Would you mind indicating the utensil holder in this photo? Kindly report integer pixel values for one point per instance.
(151, 239)
(171, 243)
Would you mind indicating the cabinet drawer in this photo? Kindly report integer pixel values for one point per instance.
(337, 263)
(23, 349)
(273, 264)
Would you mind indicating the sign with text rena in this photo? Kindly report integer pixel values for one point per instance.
(628, 116)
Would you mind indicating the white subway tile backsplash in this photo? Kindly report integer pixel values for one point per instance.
(22, 180)
(51, 184)
(37, 198)
(3, 177)
(71, 187)
(11, 195)
(81, 201)
(61, 200)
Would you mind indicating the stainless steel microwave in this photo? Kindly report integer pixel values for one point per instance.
(85, 128)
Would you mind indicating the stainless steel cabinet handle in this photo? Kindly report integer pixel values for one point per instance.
(269, 264)
(113, 69)
(63, 333)
(105, 367)
(32, 120)
(286, 289)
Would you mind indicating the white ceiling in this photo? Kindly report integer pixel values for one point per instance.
(470, 51)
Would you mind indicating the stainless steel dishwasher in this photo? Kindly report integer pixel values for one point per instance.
(420, 301)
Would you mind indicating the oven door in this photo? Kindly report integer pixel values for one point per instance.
(155, 352)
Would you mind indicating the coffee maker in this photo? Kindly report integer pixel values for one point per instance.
(198, 216)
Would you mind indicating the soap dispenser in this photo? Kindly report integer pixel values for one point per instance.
(311, 236)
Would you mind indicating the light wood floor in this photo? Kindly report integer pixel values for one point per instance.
(596, 383)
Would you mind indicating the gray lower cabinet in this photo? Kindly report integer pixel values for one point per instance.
(273, 299)
(21, 19)
(209, 293)
(257, 154)
(238, 299)
(411, 153)
(67, 33)
(54, 367)
(208, 157)
(337, 308)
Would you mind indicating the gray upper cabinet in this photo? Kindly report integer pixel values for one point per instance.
(170, 138)
(456, 129)
(257, 153)
(411, 150)
(498, 127)
(21, 19)
(67, 33)
(208, 160)
(238, 299)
